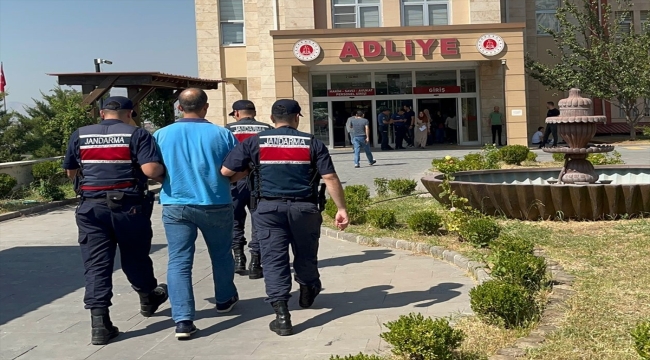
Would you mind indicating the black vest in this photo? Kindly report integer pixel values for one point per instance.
(286, 168)
(105, 159)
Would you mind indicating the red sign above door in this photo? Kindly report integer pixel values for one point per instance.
(436, 89)
(350, 92)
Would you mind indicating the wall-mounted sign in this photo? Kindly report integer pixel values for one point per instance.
(372, 49)
(436, 89)
(306, 50)
(490, 44)
(517, 112)
(350, 92)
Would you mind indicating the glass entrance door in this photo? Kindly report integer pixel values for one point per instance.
(342, 111)
(394, 106)
(469, 124)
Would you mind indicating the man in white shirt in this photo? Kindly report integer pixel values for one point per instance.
(452, 129)
(538, 137)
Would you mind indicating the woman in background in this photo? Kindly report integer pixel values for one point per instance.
(422, 129)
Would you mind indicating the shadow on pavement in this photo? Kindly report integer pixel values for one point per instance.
(34, 276)
(368, 255)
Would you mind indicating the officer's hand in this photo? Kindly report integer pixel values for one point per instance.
(341, 220)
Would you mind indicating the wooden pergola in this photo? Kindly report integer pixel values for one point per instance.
(94, 85)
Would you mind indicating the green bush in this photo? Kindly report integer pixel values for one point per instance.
(381, 186)
(416, 337)
(425, 222)
(532, 157)
(360, 356)
(330, 208)
(382, 218)
(646, 131)
(50, 191)
(557, 157)
(514, 154)
(606, 159)
(402, 186)
(512, 243)
(480, 231)
(641, 336)
(48, 170)
(356, 213)
(504, 304)
(448, 165)
(473, 161)
(358, 194)
(526, 270)
(7, 183)
(492, 156)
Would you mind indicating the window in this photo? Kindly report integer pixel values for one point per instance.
(642, 103)
(355, 13)
(468, 81)
(319, 85)
(545, 14)
(232, 22)
(350, 81)
(625, 21)
(436, 78)
(425, 12)
(394, 83)
(645, 17)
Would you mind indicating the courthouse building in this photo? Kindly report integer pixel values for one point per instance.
(459, 57)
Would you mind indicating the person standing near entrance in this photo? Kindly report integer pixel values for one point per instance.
(399, 124)
(422, 130)
(384, 121)
(347, 128)
(410, 125)
(496, 121)
(452, 129)
(245, 126)
(359, 128)
(550, 128)
(287, 166)
(116, 159)
(195, 196)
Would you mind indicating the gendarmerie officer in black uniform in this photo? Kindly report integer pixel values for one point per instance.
(245, 126)
(116, 160)
(287, 166)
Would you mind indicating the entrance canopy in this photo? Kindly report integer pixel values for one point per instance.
(94, 85)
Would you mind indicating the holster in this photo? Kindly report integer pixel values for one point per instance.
(321, 198)
(114, 199)
(148, 203)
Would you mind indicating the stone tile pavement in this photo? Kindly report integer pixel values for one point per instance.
(42, 315)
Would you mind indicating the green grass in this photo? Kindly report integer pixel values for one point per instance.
(29, 197)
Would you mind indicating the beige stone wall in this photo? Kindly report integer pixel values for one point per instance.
(492, 94)
(301, 95)
(209, 54)
(485, 11)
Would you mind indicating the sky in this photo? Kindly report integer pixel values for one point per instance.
(38, 37)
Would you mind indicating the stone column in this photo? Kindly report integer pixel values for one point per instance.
(516, 126)
(301, 95)
(491, 85)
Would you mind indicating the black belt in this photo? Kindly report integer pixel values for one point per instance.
(294, 199)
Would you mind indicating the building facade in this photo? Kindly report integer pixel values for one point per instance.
(457, 57)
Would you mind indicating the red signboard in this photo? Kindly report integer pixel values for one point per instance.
(389, 48)
(350, 92)
(436, 89)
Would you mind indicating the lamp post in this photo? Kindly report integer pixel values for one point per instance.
(97, 69)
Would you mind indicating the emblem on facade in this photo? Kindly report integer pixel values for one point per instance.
(306, 50)
(490, 44)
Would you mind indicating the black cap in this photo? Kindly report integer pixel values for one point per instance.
(286, 107)
(242, 105)
(118, 103)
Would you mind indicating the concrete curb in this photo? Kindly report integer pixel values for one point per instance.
(37, 209)
(561, 282)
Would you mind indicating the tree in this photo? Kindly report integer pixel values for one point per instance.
(599, 57)
(11, 135)
(158, 107)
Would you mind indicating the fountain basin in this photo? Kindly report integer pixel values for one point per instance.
(526, 194)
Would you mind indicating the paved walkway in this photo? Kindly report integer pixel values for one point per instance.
(42, 315)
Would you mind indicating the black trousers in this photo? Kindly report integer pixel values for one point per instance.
(101, 232)
(281, 223)
(241, 199)
(550, 129)
(400, 133)
(496, 133)
(384, 137)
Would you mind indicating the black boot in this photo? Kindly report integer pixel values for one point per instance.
(308, 295)
(102, 327)
(240, 260)
(150, 302)
(255, 267)
(282, 323)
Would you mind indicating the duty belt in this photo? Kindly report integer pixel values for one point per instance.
(294, 199)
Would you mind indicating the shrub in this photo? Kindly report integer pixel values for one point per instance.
(330, 208)
(606, 159)
(641, 336)
(416, 337)
(503, 304)
(7, 183)
(381, 186)
(358, 194)
(382, 218)
(524, 269)
(360, 356)
(532, 157)
(424, 222)
(48, 170)
(514, 154)
(557, 157)
(492, 156)
(515, 244)
(356, 213)
(49, 191)
(402, 186)
(454, 218)
(646, 131)
(480, 231)
(473, 161)
(448, 165)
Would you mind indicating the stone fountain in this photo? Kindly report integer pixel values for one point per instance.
(577, 127)
(580, 192)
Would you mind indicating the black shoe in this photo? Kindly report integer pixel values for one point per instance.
(149, 303)
(282, 323)
(373, 162)
(228, 305)
(255, 267)
(357, 166)
(185, 329)
(240, 260)
(102, 330)
(308, 295)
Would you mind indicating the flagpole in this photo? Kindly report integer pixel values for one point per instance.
(4, 82)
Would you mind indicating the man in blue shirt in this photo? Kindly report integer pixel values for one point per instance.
(399, 122)
(195, 196)
(384, 121)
